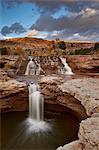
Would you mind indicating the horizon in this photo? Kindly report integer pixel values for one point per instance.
(67, 20)
(76, 41)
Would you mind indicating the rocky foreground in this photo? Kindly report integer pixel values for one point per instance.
(86, 91)
(79, 95)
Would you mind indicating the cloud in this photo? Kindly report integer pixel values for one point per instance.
(52, 6)
(80, 37)
(31, 33)
(81, 19)
(16, 28)
(5, 37)
(78, 24)
(56, 33)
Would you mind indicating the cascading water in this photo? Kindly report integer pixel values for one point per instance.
(31, 67)
(35, 121)
(68, 70)
(36, 103)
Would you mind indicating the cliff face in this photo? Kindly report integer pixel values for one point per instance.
(16, 65)
(84, 63)
(86, 91)
(12, 96)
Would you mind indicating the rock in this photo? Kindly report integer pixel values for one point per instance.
(88, 136)
(84, 63)
(50, 88)
(89, 133)
(71, 146)
(3, 75)
(13, 96)
(86, 91)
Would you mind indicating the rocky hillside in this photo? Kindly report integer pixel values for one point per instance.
(44, 47)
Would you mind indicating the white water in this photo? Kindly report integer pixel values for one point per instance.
(35, 103)
(67, 68)
(34, 122)
(31, 67)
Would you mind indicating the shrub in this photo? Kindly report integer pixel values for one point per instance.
(62, 45)
(96, 47)
(3, 51)
(82, 51)
(64, 53)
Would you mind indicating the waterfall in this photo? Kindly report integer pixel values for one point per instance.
(36, 102)
(68, 70)
(31, 67)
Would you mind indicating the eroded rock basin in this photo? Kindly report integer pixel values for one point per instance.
(77, 95)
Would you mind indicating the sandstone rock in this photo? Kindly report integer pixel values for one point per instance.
(88, 136)
(13, 95)
(3, 75)
(54, 95)
(89, 133)
(86, 91)
(84, 63)
(71, 146)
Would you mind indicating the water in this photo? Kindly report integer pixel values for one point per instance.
(17, 132)
(68, 70)
(31, 68)
(36, 103)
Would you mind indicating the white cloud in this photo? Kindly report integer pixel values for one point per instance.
(88, 12)
(84, 13)
(56, 33)
(31, 33)
(5, 37)
(79, 37)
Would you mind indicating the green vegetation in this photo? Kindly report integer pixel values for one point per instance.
(62, 45)
(96, 47)
(64, 52)
(3, 50)
(85, 51)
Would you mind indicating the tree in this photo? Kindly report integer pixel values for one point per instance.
(62, 45)
(3, 51)
(96, 47)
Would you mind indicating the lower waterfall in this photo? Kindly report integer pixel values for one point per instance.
(36, 103)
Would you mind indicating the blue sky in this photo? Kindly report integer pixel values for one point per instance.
(68, 20)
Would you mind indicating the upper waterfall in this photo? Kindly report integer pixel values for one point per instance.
(31, 67)
(67, 68)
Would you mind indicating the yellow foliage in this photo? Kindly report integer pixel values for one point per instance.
(7, 66)
(19, 51)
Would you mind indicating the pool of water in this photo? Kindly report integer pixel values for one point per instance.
(20, 133)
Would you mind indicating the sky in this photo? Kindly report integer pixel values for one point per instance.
(50, 19)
